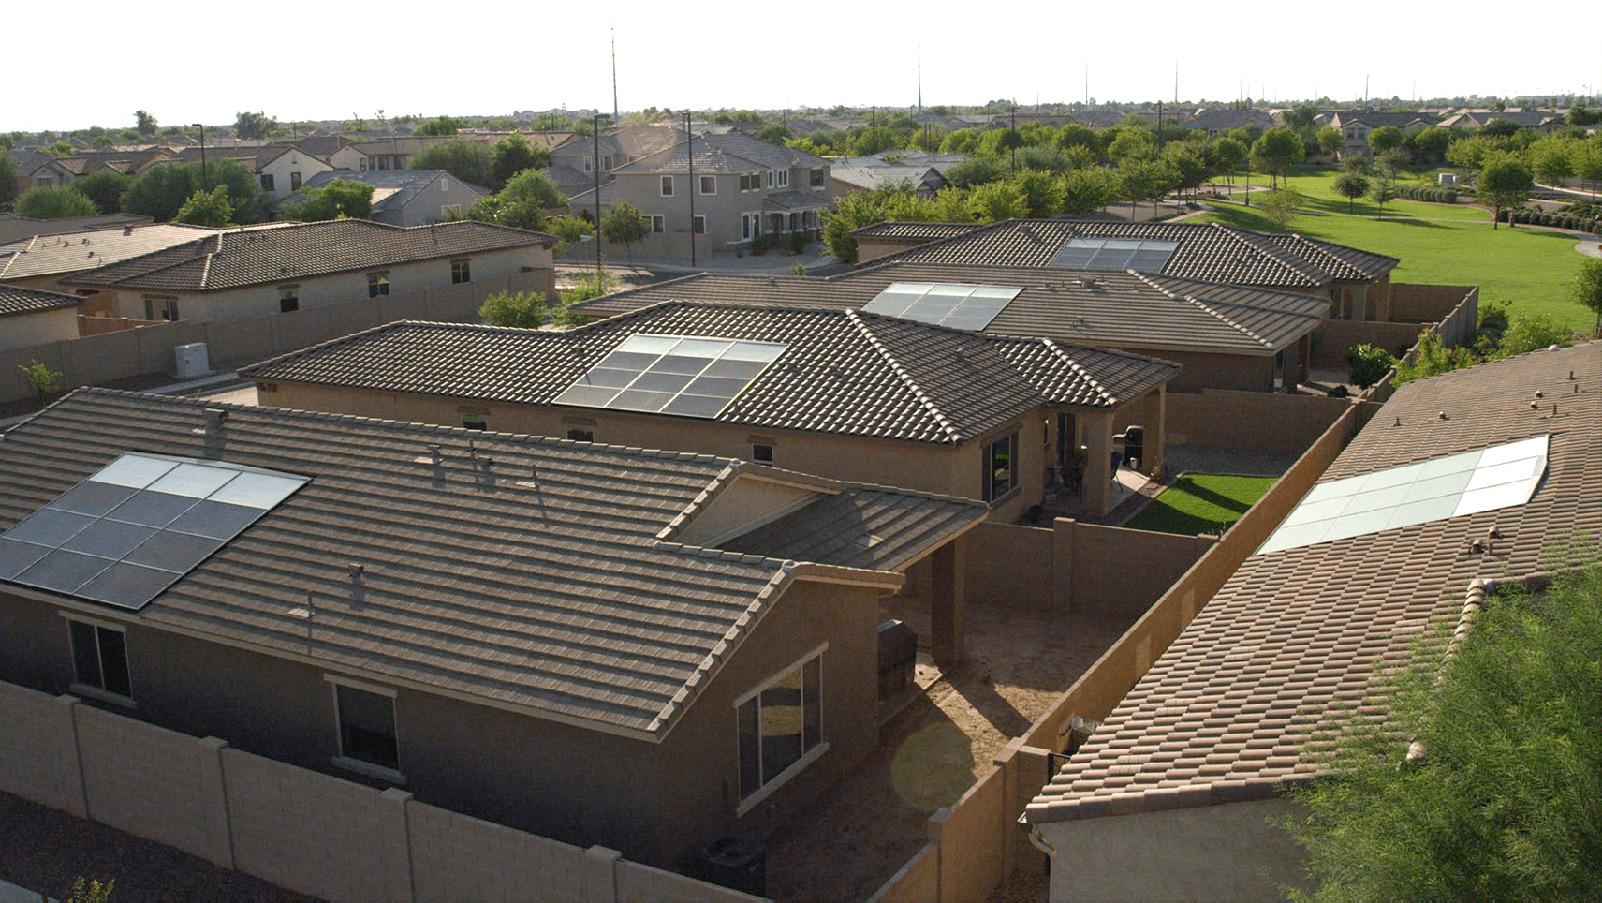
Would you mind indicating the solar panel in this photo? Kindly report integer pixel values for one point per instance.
(691, 376)
(1143, 255)
(137, 526)
(1449, 486)
(953, 305)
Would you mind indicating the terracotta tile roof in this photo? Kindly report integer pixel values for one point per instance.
(1228, 711)
(237, 258)
(15, 300)
(843, 372)
(70, 252)
(520, 572)
(1207, 252)
(1115, 310)
(920, 231)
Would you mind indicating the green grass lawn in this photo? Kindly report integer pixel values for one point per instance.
(1528, 270)
(1317, 185)
(1201, 503)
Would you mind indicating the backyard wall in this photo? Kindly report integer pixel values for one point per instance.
(1256, 421)
(1450, 311)
(305, 831)
(148, 350)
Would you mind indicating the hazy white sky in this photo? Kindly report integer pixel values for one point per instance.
(191, 62)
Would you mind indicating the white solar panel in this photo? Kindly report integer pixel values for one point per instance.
(668, 374)
(953, 305)
(1449, 486)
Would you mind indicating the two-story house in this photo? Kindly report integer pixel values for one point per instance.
(1354, 126)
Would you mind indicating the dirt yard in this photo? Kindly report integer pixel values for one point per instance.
(866, 828)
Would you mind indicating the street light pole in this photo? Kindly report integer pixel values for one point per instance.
(204, 179)
(597, 167)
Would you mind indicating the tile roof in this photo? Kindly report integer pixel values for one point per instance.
(861, 527)
(1209, 252)
(871, 177)
(1116, 310)
(794, 200)
(253, 157)
(73, 251)
(519, 572)
(15, 301)
(1373, 119)
(723, 153)
(399, 186)
(237, 258)
(21, 228)
(1295, 635)
(921, 231)
(844, 372)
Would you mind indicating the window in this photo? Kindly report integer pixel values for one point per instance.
(449, 211)
(667, 186)
(365, 164)
(762, 453)
(383, 162)
(461, 272)
(770, 178)
(581, 433)
(606, 164)
(709, 184)
(377, 284)
(1001, 467)
(745, 181)
(288, 298)
(780, 723)
(159, 308)
(784, 178)
(266, 181)
(700, 224)
(475, 421)
(367, 741)
(100, 661)
(589, 164)
(294, 181)
(745, 225)
(444, 184)
(658, 223)
(817, 178)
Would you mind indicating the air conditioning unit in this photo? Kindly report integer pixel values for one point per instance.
(191, 360)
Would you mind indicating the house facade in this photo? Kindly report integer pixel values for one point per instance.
(241, 274)
(407, 197)
(30, 317)
(280, 169)
(1355, 125)
(43, 261)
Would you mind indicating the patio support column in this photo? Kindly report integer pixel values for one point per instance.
(1098, 469)
(947, 603)
(1156, 437)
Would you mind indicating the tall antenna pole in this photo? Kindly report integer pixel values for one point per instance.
(1087, 84)
(612, 29)
(920, 79)
(689, 157)
(596, 135)
(1176, 83)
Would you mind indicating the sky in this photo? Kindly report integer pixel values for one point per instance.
(492, 57)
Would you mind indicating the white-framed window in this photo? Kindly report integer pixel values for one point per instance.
(266, 181)
(294, 181)
(708, 184)
(762, 452)
(658, 222)
(100, 662)
(377, 284)
(784, 178)
(444, 184)
(1001, 467)
(606, 164)
(364, 721)
(780, 727)
(745, 225)
(771, 178)
(817, 178)
(699, 224)
(667, 186)
(161, 308)
(288, 298)
(589, 164)
(461, 271)
(364, 164)
(449, 211)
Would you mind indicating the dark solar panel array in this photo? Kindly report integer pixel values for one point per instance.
(690, 376)
(135, 527)
(952, 305)
(1115, 254)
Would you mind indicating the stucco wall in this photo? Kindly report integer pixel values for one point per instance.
(1259, 421)
(1240, 372)
(1228, 852)
(23, 330)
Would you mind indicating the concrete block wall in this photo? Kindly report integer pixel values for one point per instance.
(309, 832)
(1257, 421)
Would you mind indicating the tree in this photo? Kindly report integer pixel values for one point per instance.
(998, 201)
(1503, 182)
(146, 123)
(8, 180)
(512, 155)
(1367, 365)
(569, 230)
(54, 202)
(1433, 359)
(105, 188)
(253, 125)
(1385, 139)
(1086, 190)
(1550, 158)
(1277, 150)
(339, 198)
(1381, 188)
(1431, 144)
(466, 160)
(1228, 155)
(774, 133)
(60, 149)
(1133, 144)
(524, 310)
(1500, 128)
(1499, 799)
(1190, 165)
(162, 190)
(1042, 192)
(1145, 180)
(1329, 140)
(625, 225)
(207, 208)
(975, 171)
(1280, 205)
(1588, 289)
(523, 203)
(1351, 186)
(439, 126)
(1530, 332)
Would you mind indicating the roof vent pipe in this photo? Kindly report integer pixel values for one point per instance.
(215, 418)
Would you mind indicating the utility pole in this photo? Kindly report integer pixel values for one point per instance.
(204, 179)
(596, 139)
(1176, 83)
(1014, 141)
(1159, 126)
(612, 30)
(689, 159)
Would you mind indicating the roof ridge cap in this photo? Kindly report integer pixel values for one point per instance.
(1228, 321)
(1080, 369)
(901, 372)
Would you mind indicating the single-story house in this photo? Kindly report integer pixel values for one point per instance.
(847, 395)
(1543, 120)
(32, 317)
(1483, 474)
(405, 197)
(883, 239)
(591, 643)
(279, 168)
(15, 228)
(42, 261)
(240, 274)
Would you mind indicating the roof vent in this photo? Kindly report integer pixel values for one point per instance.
(1087, 281)
(215, 418)
(127, 230)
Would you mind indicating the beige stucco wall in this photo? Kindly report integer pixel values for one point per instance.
(23, 330)
(1228, 852)
(286, 164)
(722, 209)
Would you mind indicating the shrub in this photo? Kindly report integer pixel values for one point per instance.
(41, 378)
(588, 286)
(1530, 332)
(525, 310)
(1368, 365)
(1433, 193)
(798, 242)
(1434, 358)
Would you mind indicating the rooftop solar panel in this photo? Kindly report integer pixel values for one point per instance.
(1450, 486)
(690, 376)
(137, 526)
(949, 304)
(1115, 254)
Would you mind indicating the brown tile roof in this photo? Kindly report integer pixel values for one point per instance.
(844, 372)
(1227, 712)
(861, 527)
(21, 228)
(70, 252)
(237, 258)
(1207, 252)
(1116, 310)
(723, 153)
(916, 231)
(15, 301)
(519, 572)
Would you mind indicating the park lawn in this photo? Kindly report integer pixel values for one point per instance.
(1201, 503)
(1528, 270)
(1317, 185)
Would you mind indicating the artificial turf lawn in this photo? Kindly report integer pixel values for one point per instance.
(1530, 271)
(1201, 503)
